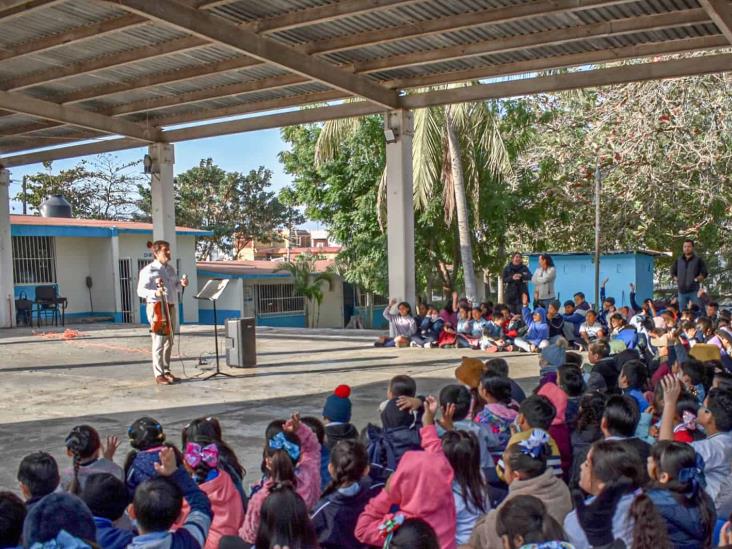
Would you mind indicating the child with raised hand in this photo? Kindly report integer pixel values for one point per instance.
(715, 416)
(677, 491)
(525, 470)
(421, 487)
(537, 336)
(469, 488)
(158, 503)
(147, 439)
(201, 458)
(525, 523)
(84, 447)
(106, 497)
(499, 412)
(335, 515)
(291, 454)
(284, 521)
(402, 325)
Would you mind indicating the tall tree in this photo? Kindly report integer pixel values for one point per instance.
(103, 188)
(235, 206)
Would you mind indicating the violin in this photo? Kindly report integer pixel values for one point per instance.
(162, 324)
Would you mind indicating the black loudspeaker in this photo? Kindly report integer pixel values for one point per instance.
(241, 343)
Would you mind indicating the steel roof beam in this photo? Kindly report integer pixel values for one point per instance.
(222, 32)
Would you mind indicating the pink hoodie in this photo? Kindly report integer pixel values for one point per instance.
(227, 507)
(308, 483)
(559, 398)
(422, 488)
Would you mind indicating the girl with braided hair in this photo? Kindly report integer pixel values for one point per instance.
(84, 447)
(202, 459)
(345, 498)
(677, 491)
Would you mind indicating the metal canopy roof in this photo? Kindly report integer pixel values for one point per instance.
(79, 70)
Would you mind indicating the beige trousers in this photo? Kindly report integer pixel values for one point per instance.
(162, 346)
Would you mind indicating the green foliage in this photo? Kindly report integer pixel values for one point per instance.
(308, 283)
(101, 189)
(236, 207)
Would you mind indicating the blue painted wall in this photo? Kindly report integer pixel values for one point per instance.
(205, 316)
(576, 273)
(378, 322)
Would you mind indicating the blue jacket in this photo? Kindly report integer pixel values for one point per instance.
(334, 516)
(684, 524)
(110, 537)
(141, 469)
(576, 320)
(538, 331)
(629, 336)
(430, 328)
(386, 446)
(193, 533)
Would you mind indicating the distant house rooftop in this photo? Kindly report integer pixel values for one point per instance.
(34, 225)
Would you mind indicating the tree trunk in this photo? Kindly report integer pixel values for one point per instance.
(461, 209)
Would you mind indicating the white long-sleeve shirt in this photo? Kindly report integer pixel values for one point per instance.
(147, 283)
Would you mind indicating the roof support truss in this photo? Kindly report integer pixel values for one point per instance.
(220, 31)
(720, 11)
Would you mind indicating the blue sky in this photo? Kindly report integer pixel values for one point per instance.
(240, 152)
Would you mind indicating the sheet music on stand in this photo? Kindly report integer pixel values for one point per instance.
(213, 289)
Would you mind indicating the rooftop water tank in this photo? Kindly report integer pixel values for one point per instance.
(56, 206)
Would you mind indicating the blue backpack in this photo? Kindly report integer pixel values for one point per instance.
(386, 447)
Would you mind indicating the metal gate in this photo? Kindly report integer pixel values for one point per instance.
(125, 289)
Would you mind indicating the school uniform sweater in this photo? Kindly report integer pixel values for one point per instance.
(421, 488)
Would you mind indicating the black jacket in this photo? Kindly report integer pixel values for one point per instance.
(686, 270)
(338, 432)
(335, 516)
(514, 288)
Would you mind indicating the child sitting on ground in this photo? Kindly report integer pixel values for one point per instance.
(284, 520)
(84, 447)
(59, 520)
(591, 330)
(537, 335)
(318, 429)
(499, 412)
(12, 516)
(106, 497)
(493, 339)
(402, 325)
(201, 458)
(677, 491)
(633, 380)
(524, 467)
(291, 454)
(537, 413)
(570, 380)
(38, 476)
(158, 503)
(337, 417)
(525, 522)
(147, 439)
(421, 487)
(429, 329)
(345, 498)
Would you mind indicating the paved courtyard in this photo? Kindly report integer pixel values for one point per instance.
(103, 377)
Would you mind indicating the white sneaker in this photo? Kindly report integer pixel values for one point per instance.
(428, 345)
(413, 344)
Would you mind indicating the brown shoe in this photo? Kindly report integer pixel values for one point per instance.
(162, 380)
(170, 377)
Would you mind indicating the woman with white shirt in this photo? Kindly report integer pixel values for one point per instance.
(543, 281)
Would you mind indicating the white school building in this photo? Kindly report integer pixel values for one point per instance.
(94, 265)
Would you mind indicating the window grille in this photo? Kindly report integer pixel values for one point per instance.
(34, 260)
(275, 299)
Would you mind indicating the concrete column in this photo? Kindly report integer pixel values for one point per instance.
(398, 127)
(7, 289)
(163, 196)
(115, 278)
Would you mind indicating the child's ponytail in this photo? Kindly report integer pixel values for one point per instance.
(350, 462)
(281, 453)
(82, 443)
(650, 531)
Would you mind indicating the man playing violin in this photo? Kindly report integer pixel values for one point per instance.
(159, 284)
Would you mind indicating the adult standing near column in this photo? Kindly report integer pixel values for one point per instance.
(155, 278)
(688, 270)
(543, 280)
(516, 276)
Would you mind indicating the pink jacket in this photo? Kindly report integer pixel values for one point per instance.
(422, 488)
(227, 507)
(308, 483)
(557, 397)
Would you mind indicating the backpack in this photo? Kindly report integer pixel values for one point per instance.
(23, 310)
(386, 447)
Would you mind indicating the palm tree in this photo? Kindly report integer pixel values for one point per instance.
(309, 284)
(454, 148)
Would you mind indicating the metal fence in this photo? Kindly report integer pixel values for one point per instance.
(275, 299)
(362, 299)
(34, 260)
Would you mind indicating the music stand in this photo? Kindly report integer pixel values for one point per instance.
(211, 291)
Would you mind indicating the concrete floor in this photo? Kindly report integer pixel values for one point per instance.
(103, 377)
